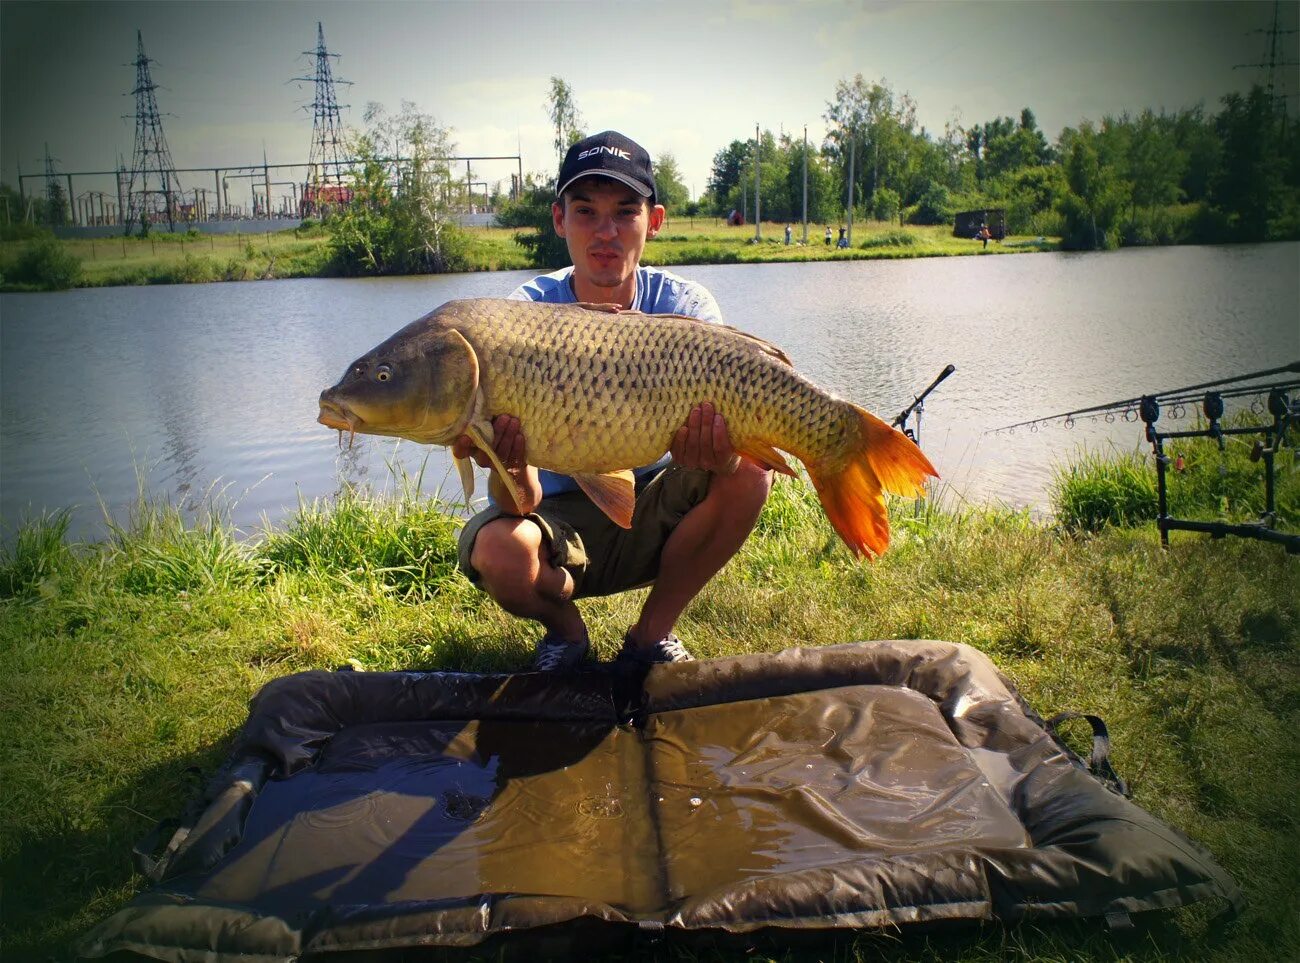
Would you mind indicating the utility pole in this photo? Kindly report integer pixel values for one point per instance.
(758, 215)
(853, 142)
(151, 161)
(326, 161)
(805, 183)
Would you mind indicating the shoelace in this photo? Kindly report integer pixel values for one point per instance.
(551, 657)
(674, 649)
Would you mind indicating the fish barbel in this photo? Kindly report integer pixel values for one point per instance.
(598, 391)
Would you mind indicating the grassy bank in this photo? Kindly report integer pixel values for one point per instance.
(129, 661)
(253, 255)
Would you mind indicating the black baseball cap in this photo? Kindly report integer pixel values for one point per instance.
(609, 154)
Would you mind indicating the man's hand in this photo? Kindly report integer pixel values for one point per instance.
(703, 442)
(510, 446)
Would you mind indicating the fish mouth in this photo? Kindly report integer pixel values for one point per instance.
(336, 417)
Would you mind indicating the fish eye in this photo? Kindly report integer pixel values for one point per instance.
(383, 373)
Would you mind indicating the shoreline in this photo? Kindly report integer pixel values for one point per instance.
(296, 253)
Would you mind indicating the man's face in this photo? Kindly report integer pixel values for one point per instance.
(606, 225)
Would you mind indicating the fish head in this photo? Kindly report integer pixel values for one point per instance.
(420, 384)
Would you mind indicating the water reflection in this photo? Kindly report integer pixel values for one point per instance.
(207, 384)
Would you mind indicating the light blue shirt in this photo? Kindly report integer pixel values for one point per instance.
(657, 292)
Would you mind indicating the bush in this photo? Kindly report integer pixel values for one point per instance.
(894, 238)
(1097, 491)
(1160, 225)
(45, 265)
(36, 554)
(934, 207)
(532, 211)
(886, 204)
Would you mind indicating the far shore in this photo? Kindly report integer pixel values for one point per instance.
(183, 258)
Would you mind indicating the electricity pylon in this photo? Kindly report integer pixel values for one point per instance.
(153, 187)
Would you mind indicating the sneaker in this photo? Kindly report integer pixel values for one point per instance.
(556, 655)
(667, 649)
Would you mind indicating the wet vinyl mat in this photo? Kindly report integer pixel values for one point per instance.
(875, 784)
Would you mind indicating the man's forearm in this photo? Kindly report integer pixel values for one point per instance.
(530, 487)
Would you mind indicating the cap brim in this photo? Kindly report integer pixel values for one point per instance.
(621, 178)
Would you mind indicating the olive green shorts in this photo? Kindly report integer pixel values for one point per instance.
(603, 558)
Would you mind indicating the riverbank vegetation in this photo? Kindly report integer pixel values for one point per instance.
(131, 660)
(47, 263)
(1188, 177)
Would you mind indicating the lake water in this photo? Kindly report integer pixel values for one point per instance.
(197, 387)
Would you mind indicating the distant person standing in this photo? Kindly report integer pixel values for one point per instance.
(984, 235)
(828, 235)
(843, 241)
(789, 230)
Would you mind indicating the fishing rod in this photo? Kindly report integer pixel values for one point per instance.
(1175, 405)
(1292, 368)
(918, 404)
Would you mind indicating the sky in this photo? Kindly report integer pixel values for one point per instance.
(684, 78)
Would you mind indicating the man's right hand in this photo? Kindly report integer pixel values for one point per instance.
(507, 441)
(510, 446)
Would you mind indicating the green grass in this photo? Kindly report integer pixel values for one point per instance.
(200, 258)
(1203, 483)
(128, 661)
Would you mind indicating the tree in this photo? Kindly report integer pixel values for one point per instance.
(822, 206)
(1250, 183)
(532, 212)
(725, 175)
(401, 216)
(1155, 164)
(1199, 143)
(882, 129)
(1094, 196)
(563, 112)
(673, 194)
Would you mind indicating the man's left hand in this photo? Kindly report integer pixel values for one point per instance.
(703, 442)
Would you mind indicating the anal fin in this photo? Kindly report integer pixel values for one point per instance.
(613, 492)
(765, 455)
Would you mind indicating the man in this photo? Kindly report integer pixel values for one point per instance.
(692, 513)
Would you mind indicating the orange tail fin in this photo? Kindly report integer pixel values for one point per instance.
(852, 495)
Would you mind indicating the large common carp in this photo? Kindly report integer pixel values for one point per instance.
(599, 391)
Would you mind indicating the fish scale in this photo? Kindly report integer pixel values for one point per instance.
(578, 418)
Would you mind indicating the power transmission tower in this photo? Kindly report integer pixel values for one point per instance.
(153, 187)
(326, 162)
(1276, 101)
(54, 199)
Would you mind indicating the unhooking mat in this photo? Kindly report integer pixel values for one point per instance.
(854, 786)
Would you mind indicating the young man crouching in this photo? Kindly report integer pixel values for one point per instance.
(695, 506)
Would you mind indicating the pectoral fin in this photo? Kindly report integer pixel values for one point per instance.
(613, 492)
(465, 468)
(766, 456)
(483, 439)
